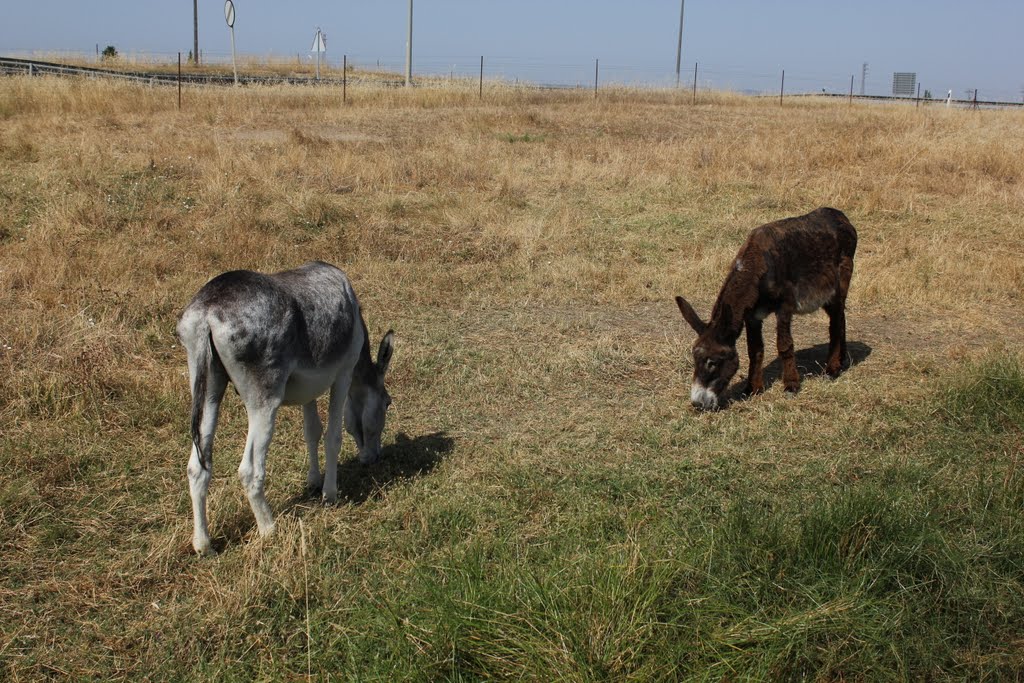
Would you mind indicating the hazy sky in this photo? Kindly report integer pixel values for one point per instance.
(741, 44)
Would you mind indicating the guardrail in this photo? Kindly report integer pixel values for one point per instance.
(897, 98)
(31, 67)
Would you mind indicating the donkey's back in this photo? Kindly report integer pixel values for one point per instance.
(296, 326)
(800, 261)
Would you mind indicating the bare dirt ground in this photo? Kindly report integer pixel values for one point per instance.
(875, 332)
(876, 340)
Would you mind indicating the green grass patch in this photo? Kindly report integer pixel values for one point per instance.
(988, 397)
(513, 138)
(588, 571)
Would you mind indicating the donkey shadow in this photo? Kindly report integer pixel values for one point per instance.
(810, 362)
(406, 458)
(400, 461)
(403, 460)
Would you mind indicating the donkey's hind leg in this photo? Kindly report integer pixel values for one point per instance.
(252, 471)
(836, 338)
(200, 464)
(784, 335)
(836, 310)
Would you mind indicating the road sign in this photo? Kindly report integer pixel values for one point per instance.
(229, 16)
(319, 42)
(319, 47)
(903, 83)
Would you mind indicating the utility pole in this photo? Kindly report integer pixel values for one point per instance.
(408, 51)
(195, 32)
(679, 47)
(863, 76)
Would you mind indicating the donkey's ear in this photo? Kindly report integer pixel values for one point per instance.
(387, 347)
(690, 315)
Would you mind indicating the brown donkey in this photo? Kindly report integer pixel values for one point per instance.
(795, 265)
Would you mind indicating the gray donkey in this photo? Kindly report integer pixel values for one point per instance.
(281, 339)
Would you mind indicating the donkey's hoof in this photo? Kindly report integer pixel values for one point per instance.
(204, 551)
(752, 390)
(330, 497)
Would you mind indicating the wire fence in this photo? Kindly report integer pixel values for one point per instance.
(565, 73)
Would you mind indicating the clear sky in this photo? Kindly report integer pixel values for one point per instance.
(740, 44)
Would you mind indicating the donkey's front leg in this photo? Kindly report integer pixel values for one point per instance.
(332, 444)
(313, 430)
(755, 351)
(790, 375)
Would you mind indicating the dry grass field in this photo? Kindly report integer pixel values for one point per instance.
(549, 507)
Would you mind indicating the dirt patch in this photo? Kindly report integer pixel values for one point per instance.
(277, 136)
(939, 335)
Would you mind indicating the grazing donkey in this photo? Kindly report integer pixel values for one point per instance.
(281, 339)
(796, 265)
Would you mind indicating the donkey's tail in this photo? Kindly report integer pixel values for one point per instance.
(205, 357)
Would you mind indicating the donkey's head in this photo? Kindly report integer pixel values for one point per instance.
(714, 361)
(368, 401)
